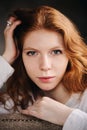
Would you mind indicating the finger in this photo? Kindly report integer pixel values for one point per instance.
(9, 30)
(25, 112)
(29, 111)
(10, 21)
(11, 26)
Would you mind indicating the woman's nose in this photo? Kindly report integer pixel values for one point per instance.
(45, 63)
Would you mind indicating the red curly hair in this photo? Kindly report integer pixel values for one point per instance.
(75, 78)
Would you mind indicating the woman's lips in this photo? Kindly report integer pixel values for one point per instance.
(46, 79)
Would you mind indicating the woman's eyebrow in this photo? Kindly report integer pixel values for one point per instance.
(29, 48)
(57, 47)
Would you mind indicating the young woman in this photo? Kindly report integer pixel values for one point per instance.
(45, 62)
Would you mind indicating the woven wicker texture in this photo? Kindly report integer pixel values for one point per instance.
(21, 122)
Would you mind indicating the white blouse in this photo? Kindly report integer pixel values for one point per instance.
(77, 120)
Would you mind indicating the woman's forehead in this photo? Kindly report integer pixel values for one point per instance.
(43, 37)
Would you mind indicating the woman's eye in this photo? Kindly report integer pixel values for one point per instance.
(31, 53)
(56, 52)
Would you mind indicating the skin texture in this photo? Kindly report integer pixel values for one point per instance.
(45, 63)
(46, 49)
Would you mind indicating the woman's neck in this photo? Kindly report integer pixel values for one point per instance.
(59, 93)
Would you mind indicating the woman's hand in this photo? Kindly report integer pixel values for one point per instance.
(49, 110)
(11, 52)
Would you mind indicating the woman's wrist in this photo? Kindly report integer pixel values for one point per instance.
(66, 114)
(8, 58)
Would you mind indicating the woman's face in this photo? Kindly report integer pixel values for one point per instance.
(44, 58)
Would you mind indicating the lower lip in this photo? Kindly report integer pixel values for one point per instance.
(46, 80)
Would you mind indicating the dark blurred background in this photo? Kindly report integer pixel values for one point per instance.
(74, 9)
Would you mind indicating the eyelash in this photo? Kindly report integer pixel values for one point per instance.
(54, 52)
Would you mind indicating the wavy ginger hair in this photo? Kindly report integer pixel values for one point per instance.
(44, 17)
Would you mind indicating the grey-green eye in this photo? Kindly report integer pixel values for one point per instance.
(31, 53)
(56, 52)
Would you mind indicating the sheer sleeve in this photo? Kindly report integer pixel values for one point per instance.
(5, 71)
(77, 120)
